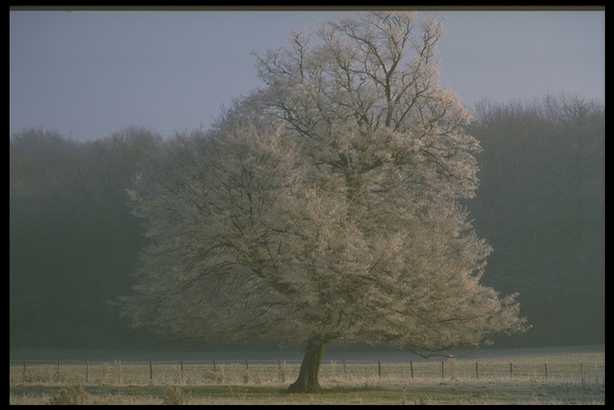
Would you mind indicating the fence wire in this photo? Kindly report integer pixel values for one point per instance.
(234, 372)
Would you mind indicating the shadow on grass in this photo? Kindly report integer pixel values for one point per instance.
(359, 394)
(230, 390)
(204, 390)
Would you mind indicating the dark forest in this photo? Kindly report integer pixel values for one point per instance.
(74, 242)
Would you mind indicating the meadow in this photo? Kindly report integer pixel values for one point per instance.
(560, 378)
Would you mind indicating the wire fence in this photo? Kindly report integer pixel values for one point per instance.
(234, 372)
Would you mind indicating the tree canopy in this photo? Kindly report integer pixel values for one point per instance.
(327, 206)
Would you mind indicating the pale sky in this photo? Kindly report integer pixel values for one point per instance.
(87, 74)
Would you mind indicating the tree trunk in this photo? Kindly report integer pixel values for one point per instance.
(307, 381)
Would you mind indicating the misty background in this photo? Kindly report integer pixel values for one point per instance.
(93, 94)
(87, 74)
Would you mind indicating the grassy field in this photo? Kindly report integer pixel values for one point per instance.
(423, 393)
(572, 378)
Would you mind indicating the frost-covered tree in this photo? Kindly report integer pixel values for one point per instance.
(326, 207)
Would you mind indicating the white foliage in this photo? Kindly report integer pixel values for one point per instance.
(326, 205)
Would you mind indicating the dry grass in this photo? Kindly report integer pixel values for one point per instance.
(443, 393)
(358, 384)
(561, 368)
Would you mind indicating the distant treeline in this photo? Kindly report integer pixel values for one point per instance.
(74, 241)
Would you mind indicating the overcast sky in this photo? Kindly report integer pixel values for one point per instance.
(87, 74)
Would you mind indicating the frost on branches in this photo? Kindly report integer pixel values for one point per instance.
(325, 207)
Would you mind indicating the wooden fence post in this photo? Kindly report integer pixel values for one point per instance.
(246, 378)
(58, 369)
(119, 372)
(411, 368)
(379, 369)
(87, 372)
(443, 373)
(181, 371)
(511, 370)
(214, 366)
(477, 372)
(582, 373)
(545, 370)
(280, 372)
(150, 373)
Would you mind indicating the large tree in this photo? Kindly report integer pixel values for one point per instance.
(326, 207)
